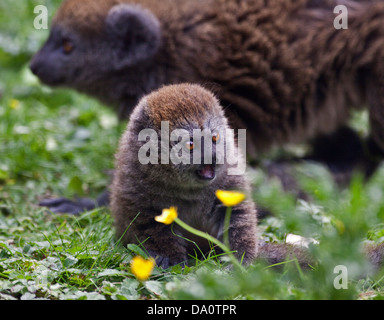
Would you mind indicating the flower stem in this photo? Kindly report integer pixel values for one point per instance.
(226, 226)
(205, 235)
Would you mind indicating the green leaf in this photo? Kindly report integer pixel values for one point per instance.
(28, 296)
(110, 273)
(70, 261)
(128, 289)
(26, 248)
(76, 186)
(137, 250)
(155, 287)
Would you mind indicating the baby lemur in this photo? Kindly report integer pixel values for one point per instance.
(156, 168)
(150, 187)
(144, 184)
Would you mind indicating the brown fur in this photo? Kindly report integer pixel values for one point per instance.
(280, 68)
(147, 189)
(88, 15)
(176, 106)
(375, 254)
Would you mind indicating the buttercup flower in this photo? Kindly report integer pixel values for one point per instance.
(142, 268)
(170, 215)
(230, 198)
(14, 104)
(167, 216)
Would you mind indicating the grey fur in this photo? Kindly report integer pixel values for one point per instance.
(147, 189)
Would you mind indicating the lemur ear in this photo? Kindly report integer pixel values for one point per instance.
(135, 33)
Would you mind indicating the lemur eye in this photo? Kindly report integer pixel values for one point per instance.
(67, 46)
(190, 145)
(215, 137)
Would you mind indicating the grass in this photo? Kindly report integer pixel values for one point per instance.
(58, 142)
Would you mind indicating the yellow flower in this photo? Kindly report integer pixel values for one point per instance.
(167, 216)
(14, 104)
(142, 268)
(230, 198)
